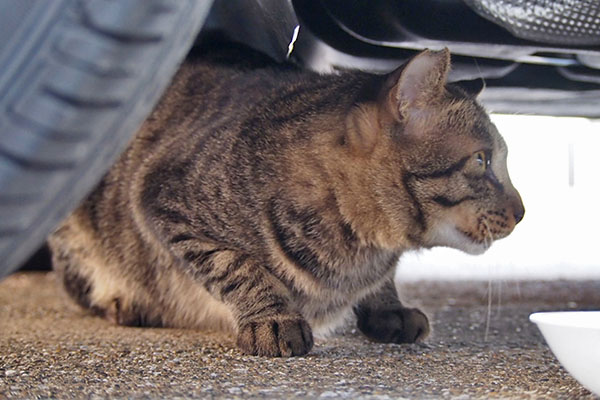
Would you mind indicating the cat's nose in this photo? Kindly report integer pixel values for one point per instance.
(518, 209)
(519, 213)
(515, 204)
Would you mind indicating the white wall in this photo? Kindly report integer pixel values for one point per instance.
(559, 238)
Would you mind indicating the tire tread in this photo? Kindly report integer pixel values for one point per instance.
(99, 67)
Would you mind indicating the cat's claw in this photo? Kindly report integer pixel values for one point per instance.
(277, 336)
(393, 324)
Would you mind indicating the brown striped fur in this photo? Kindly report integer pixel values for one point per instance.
(272, 202)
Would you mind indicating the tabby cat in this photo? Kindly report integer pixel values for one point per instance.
(273, 203)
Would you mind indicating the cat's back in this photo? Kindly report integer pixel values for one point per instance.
(229, 81)
(223, 124)
(216, 90)
(229, 84)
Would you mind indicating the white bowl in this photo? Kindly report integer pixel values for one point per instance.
(574, 337)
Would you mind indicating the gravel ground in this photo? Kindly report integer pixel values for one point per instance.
(50, 348)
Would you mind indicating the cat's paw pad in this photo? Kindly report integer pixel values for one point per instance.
(393, 325)
(275, 337)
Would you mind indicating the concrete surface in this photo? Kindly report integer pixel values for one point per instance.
(50, 348)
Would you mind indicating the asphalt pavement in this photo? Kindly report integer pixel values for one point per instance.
(482, 346)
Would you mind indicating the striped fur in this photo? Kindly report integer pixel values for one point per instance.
(272, 203)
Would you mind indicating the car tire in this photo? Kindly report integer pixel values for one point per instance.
(77, 78)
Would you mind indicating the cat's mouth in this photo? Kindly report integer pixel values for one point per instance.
(474, 245)
(449, 235)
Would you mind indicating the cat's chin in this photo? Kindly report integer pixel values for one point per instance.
(447, 235)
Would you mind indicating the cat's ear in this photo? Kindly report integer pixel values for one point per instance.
(419, 82)
(473, 87)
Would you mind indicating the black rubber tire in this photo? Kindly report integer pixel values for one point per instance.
(77, 78)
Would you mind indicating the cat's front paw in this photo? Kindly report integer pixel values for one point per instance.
(393, 324)
(276, 336)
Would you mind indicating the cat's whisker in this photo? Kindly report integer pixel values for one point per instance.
(488, 240)
(489, 310)
(488, 235)
(481, 77)
(499, 304)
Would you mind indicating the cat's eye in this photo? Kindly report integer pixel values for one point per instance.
(480, 162)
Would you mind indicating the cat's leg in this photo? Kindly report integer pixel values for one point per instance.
(267, 324)
(382, 318)
(89, 280)
(77, 282)
(100, 296)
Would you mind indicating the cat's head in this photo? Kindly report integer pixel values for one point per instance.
(436, 161)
